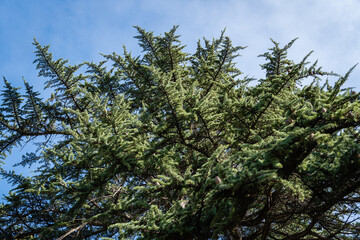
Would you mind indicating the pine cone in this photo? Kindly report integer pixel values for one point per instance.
(311, 137)
(289, 121)
(217, 180)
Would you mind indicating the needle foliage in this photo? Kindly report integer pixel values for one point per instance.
(172, 145)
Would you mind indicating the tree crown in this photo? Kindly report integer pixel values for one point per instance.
(177, 145)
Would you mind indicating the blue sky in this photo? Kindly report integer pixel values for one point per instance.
(79, 30)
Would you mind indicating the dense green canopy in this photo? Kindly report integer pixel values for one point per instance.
(171, 145)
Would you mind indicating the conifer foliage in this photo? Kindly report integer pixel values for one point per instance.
(171, 145)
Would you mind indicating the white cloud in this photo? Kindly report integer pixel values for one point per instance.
(328, 27)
